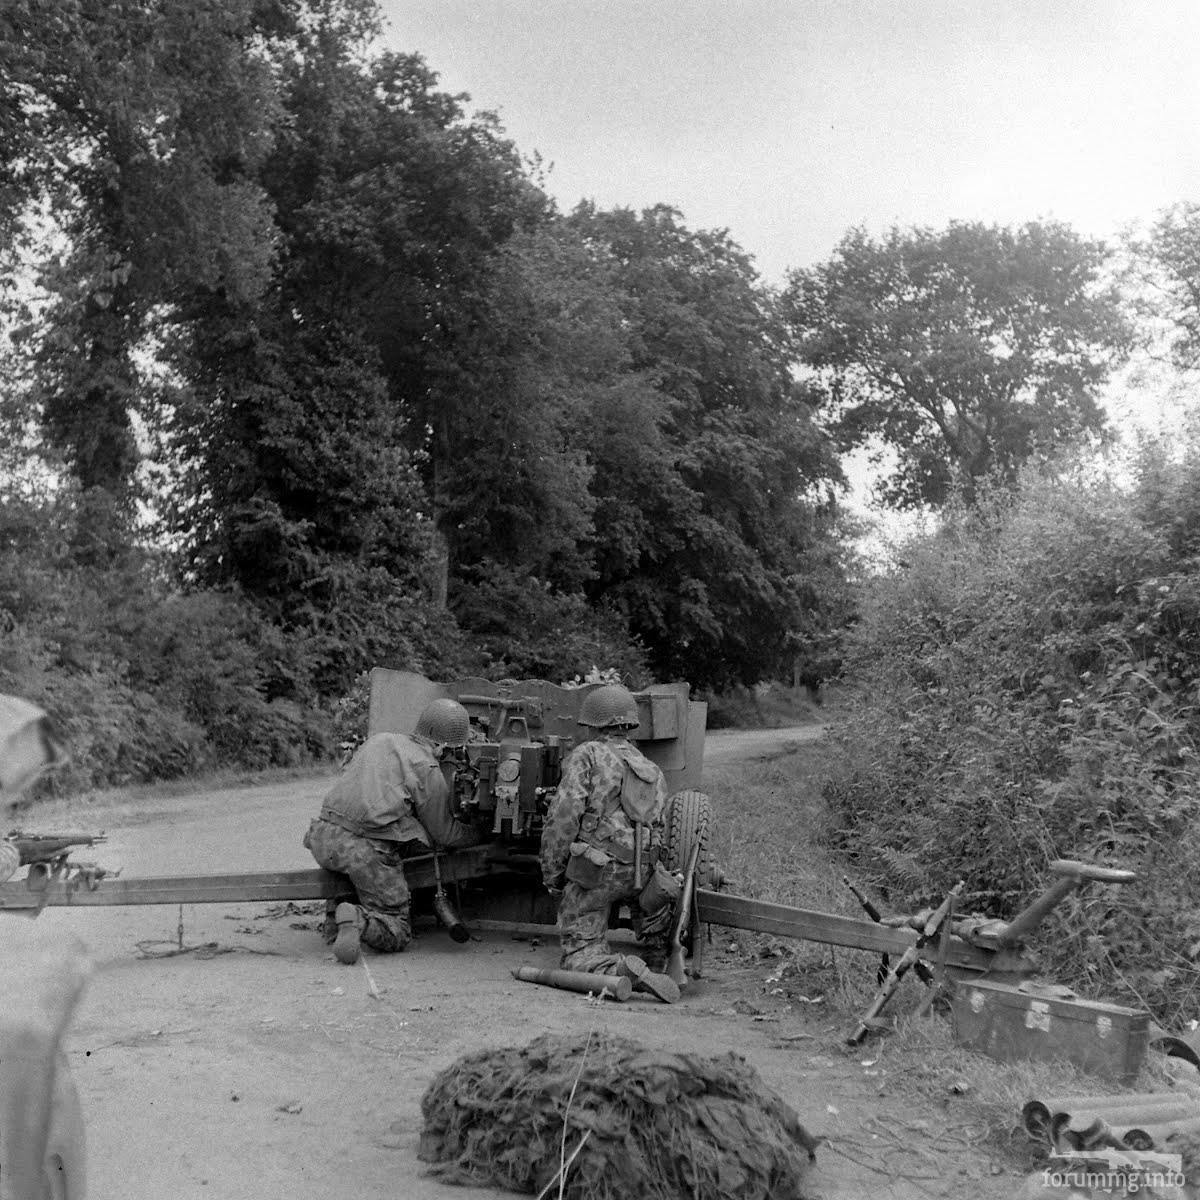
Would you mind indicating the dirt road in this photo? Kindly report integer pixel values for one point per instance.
(253, 1065)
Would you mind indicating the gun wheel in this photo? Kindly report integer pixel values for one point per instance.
(690, 819)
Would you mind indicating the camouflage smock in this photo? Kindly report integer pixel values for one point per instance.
(394, 791)
(587, 805)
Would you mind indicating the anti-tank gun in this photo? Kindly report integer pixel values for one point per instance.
(521, 733)
(510, 769)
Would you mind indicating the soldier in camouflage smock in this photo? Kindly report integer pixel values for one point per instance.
(609, 794)
(392, 802)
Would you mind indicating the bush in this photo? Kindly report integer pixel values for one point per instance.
(368, 617)
(145, 682)
(526, 630)
(1027, 690)
(114, 734)
(351, 713)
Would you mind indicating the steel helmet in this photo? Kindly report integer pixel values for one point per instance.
(444, 721)
(609, 707)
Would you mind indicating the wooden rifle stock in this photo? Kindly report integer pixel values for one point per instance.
(675, 969)
(638, 880)
(445, 912)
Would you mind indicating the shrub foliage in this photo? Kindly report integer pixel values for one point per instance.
(145, 681)
(1027, 689)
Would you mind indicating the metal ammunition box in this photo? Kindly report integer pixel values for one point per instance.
(1010, 1024)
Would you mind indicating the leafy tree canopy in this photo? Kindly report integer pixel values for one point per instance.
(711, 477)
(363, 347)
(300, 438)
(135, 125)
(1172, 255)
(962, 349)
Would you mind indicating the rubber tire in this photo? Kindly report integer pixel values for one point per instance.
(690, 817)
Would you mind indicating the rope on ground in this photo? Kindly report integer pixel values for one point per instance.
(200, 949)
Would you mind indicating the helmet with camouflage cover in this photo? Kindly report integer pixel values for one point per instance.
(609, 707)
(444, 721)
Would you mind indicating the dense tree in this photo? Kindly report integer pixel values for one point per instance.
(304, 436)
(134, 126)
(1025, 690)
(711, 477)
(513, 477)
(362, 343)
(1170, 256)
(962, 349)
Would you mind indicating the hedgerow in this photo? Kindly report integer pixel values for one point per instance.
(147, 679)
(1026, 690)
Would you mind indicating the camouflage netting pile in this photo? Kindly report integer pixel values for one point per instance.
(662, 1126)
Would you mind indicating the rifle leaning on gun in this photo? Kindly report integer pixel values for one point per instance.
(47, 856)
(49, 847)
(683, 917)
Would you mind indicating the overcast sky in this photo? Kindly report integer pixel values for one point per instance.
(788, 121)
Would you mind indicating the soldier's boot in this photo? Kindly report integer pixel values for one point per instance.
(654, 954)
(646, 980)
(349, 932)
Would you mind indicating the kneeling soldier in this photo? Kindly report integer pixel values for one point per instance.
(605, 821)
(391, 803)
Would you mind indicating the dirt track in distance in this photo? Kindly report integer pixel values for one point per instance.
(255, 1067)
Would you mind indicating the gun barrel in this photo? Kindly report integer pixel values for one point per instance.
(615, 987)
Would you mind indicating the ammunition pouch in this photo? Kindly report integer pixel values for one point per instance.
(618, 853)
(586, 865)
(661, 892)
(608, 836)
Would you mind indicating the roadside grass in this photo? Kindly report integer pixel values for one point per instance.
(135, 804)
(770, 822)
(925, 1061)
